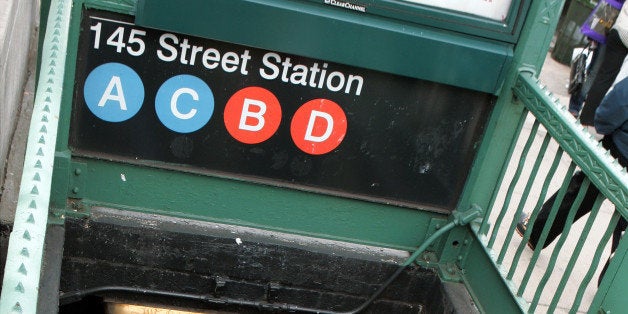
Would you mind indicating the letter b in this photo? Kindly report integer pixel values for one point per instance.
(246, 113)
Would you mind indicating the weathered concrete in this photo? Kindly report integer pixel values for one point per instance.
(18, 21)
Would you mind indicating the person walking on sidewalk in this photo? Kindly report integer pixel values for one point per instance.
(610, 63)
(611, 120)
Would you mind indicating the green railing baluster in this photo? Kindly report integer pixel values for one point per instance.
(561, 241)
(576, 253)
(524, 198)
(596, 260)
(514, 182)
(545, 232)
(535, 212)
(485, 226)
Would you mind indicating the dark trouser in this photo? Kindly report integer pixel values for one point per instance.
(568, 200)
(610, 64)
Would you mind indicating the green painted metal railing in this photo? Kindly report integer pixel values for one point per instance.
(533, 166)
(20, 287)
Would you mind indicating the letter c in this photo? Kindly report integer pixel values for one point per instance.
(175, 98)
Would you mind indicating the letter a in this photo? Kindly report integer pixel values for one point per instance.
(310, 126)
(115, 82)
(259, 116)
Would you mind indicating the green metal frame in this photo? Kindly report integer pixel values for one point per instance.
(99, 183)
(507, 30)
(485, 285)
(322, 32)
(529, 56)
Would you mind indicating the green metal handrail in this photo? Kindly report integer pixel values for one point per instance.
(583, 149)
(20, 287)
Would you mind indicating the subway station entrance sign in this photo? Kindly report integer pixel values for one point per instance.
(170, 100)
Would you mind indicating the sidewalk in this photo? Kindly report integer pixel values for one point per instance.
(555, 76)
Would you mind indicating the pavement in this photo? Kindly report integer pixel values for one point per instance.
(555, 76)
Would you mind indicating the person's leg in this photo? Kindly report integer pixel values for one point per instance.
(563, 210)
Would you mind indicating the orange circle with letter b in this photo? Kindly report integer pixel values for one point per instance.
(252, 115)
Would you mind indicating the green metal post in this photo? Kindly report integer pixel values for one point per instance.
(529, 55)
(614, 284)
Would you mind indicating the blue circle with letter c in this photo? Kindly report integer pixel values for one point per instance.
(113, 92)
(184, 103)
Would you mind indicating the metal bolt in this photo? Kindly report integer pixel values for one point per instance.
(75, 190)
(466, 242)
(460, 258)
(450, 270)
(437, 227)
(77, 171)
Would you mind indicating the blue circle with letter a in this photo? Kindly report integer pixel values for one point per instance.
(113, 92)
(184, 103)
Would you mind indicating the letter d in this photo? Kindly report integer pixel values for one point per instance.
(310, 126)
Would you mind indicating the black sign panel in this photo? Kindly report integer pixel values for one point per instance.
(173, 100)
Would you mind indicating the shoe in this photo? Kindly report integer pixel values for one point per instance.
(522, 226)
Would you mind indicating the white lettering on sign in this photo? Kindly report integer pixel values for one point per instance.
(310, 127)
(246, 113)
(330, 81)
(313, 76)
(119, 96)
(346, 5)
(125, 38)
(318, 126)
(174, 101)
(248, 124)
(211, 58)
(184, 103)
(172, 49)
(117, 40)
